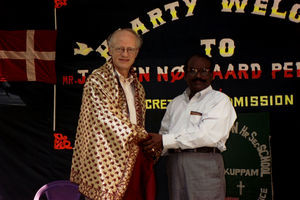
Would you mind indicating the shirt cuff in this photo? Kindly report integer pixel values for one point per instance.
(169, 142)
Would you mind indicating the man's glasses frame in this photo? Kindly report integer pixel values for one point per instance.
(204, 71)
(129, 50)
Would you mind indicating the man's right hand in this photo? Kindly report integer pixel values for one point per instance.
(154, 143)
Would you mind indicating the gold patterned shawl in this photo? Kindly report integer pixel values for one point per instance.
(106, 143)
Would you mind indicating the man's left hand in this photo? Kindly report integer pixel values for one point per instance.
(154, 143)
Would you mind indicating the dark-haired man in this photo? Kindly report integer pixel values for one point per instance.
(193, 132)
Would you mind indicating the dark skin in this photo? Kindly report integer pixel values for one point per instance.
(198, 77)
(198, 81)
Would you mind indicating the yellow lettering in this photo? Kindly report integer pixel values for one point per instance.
(103, 51)
(208, 43)
(294, 12)
(246, 100)
(260, 7)
(278, 100)
(137, 25)
(148, 104)
(163, 104)
(264, 100)
(155, 15)
(157, 103)
(171, 7)
(226, 47)
(254, 101)
(191, 7)
(240, 8)
(289, 100)
(275, 12)
(238, 101)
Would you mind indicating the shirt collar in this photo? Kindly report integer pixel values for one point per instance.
(123, 79)
(198, 94)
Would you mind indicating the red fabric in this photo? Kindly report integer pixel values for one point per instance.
(12, 70)
(142, 182)
(46, 40)
(45, 71)
(14, 55)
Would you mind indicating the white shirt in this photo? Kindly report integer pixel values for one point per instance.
(204, 120)
(129, 93)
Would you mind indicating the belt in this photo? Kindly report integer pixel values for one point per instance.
(200, 150)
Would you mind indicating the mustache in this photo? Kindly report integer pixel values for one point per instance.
(198, 79)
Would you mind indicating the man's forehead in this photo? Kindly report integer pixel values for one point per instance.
(124, 37)
(197, 61)
(123, 33)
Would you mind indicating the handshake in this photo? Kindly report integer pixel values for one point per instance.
(152, 146)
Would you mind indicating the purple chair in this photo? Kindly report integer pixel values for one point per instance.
(59, 190)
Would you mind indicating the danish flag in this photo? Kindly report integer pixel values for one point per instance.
(28, 55)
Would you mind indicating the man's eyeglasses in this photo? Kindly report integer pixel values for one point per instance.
(203, 71)
(129, 50)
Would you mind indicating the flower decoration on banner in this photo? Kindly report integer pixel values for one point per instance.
(61, 141)
(60, 3)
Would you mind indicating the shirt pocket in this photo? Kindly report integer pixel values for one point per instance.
(195, 119)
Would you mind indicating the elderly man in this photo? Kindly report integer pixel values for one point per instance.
(107, 161)
(194, 131)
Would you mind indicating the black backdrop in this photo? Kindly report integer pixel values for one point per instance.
(29, 156)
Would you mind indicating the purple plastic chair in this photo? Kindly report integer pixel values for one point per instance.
(59, 190)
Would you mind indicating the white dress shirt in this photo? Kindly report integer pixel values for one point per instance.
(128, 88)
(204, 120)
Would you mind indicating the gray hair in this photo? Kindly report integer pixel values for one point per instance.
(138, 37)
